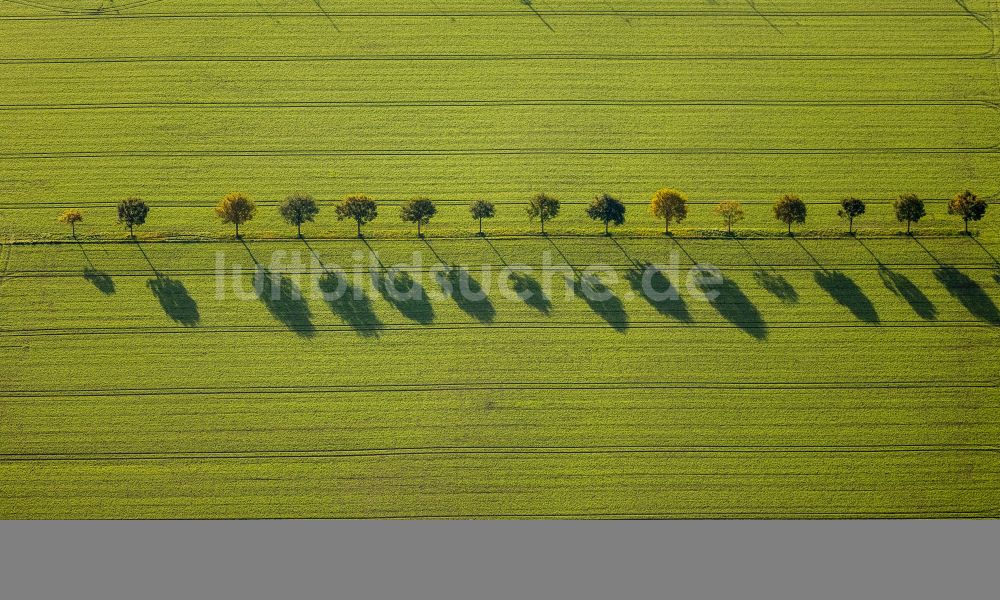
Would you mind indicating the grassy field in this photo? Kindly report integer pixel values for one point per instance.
(832, 376)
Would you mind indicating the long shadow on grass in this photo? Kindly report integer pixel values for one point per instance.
(282, 298)
(735, 306)
(284, 301)
(173, 297)
(99, 279)
(350, 303)
(589, 288)
(972, 295)
(467, 293)
(653, 286)
(406, 294)
(902, 286)
(527, 288)
(843, 290)
(964, 289)
(773, 282)
(346, 300)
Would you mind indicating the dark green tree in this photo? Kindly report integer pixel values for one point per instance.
(132, 212)
(482, 209)
(790, 209)
(361, 209)
(968, 206)
(849, 209)
(910, 209)
(419, 211)
(543, 207)
(607, 209)
(298, 209)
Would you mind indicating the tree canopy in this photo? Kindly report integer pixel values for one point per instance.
(543, 207)
(71, 217)
(909, 209)
(968, 206)
(132, 212)
(298, 209)
(236, 208)
(790, 209)
(361, 209)
(482, 209)
(419, 211)
(849, 209)
(669, 205)
(731, 212)
(607, 209)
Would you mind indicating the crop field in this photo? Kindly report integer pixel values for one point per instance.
(189, 374)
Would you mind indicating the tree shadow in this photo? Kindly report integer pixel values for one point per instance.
(776, 285)
(601, 300)
(175, 300)
(735, 307)
(350, 303)
(173, 297)
(901, 286)
(773, 282)
(530, 292)
(972, 296)
(100, 280)
(652, 285)
(467, 293)
(406, 295)
(284, 301)
(847, 293)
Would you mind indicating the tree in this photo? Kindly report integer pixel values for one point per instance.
(132, 212)
(731, 212)
(419, 211)
(482, 209)
(360, 208)
(544, 208)
(236, 208)
(790, 209)
(71, 217)
(909, 208)
(669, 205)
(607, 209)
(849, 209)
(298, 209)
(968, 206)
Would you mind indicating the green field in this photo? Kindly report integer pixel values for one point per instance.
(833, 376)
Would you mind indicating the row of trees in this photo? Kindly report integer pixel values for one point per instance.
(666, 204)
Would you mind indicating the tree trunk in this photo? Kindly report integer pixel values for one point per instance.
(789, 228)
(419, 234)
(666, 226)
(729, 226)
(850, 225)
(73, 227)
(480, 226)
(131, 233)
(299, 226)
(237, 231)
(359, 227)
(907, 226)
(606, 232)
